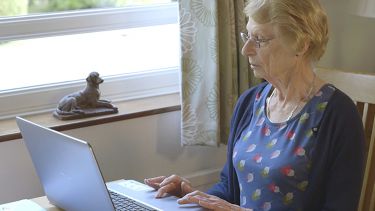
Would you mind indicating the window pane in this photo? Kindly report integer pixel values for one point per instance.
(25, 7)
(71, 57)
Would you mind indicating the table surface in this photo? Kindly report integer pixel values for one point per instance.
(43, 202)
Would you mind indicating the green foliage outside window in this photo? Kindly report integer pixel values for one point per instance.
(13, 7)
(23, 7)
(37, 6)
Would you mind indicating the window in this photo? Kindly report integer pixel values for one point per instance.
(48, 55)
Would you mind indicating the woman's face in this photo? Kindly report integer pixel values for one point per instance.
(270, 59)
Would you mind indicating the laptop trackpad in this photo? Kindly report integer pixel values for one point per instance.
(145, 194)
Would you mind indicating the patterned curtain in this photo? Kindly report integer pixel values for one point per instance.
(214, 72)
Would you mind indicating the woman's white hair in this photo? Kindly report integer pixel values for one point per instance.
(298, 22)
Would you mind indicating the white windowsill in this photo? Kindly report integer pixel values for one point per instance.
(127, 110)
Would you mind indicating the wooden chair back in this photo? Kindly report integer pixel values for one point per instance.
(361, 88)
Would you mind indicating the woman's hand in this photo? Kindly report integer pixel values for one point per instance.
(210, 202)
(175, 185)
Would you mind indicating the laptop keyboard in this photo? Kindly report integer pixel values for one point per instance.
(124, 203)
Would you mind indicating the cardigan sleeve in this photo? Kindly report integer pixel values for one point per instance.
(220, 189)
(340, 156)
(227, 188)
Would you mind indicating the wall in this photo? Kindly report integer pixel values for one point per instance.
(351, 46)
(137, 148)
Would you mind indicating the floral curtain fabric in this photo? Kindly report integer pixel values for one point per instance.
(214, 72)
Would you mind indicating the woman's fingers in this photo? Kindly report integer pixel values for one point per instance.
(155, 181)
(173, 184)
(158, 179)
(186, 187)
(193, 197)
(167, 188)
(171, 179)
(208, 201)
(212, 206)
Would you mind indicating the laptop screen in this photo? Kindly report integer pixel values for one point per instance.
(66, 167)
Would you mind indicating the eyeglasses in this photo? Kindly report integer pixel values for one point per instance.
(258, 42)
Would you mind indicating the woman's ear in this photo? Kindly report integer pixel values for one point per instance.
(304, 49)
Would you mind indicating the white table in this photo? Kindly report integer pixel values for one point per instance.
(43, 202)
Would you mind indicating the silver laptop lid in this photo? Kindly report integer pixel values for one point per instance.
(66, 167)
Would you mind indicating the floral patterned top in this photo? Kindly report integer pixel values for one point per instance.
(272, 160)
(314, 170)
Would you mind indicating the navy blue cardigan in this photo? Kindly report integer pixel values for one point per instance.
(338, 164)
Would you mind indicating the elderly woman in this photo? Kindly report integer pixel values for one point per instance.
(296, 143)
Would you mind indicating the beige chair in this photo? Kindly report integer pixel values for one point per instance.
(361, 88)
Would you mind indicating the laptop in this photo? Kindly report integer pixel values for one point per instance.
(71, 177)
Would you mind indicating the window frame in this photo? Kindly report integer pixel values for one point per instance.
(39, 99)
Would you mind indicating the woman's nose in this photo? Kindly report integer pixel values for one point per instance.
(248, 48)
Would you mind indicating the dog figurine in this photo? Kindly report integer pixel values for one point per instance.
(88, 98)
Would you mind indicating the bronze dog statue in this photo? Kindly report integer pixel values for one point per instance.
(88, 98)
